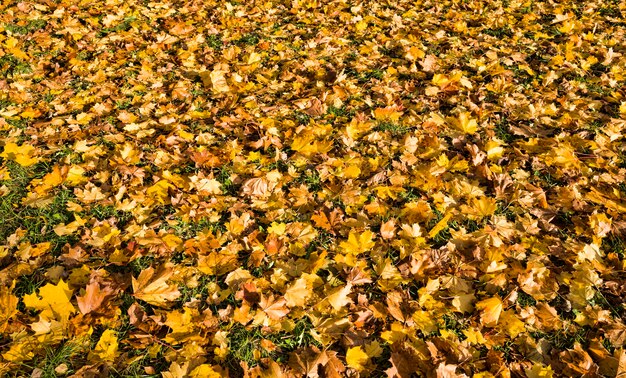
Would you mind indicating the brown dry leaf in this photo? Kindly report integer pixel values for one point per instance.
(152, 286)
(93, 298)
(313, 187)
(274, 309)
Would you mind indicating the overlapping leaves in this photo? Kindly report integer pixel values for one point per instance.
(312, 188)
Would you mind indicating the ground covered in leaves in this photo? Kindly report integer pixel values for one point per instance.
(312, 188)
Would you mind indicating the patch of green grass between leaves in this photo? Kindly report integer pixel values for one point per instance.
(244, 341)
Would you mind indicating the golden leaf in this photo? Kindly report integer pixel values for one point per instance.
(490, 311)
(298, 293)
(8, 306)
(23, 155)
(356, 358)
(53, 301)
(151, 286)
(218, 81)
(107, 347)
(358, 243)
(443, 223)
(338, 298)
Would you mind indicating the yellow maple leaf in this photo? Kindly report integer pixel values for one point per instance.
(338, 298)
(107, 347)
(440, 80)
(204, 371)
(361, 25)
(218, 81)
(463, 302)
(352, 171)
(49, 181)
(539, 371)
(415, 53)
(8, 306)
(424, 321)
(304, 144)
(490, 310)
(126, 117)
(182, 326)
(511, 324)
(388, 113)
(27, 250)
(90, 194)
(494, 149)
(600, 224)
(53, 301)
(298, 293)
(63, 229)
(474, 336)
(127, 154)
(19, 351)
(356, 245)
(357, 358)
(159, 191)
(22, 155)
(483, 207)
(75, 175)
(217, 263)
(465, 124)
(277, 228)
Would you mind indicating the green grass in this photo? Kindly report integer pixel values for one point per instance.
(507, 210)
(302, 118)
(37, 222)
(452, 323)
(18, 123)
(502, 130)
(140, 264)
(507, 349)
(10, 65)
(614, 243)
(546, 178)
(29, 27)
(123, 105)
(340, 112)
(363, 77)
(249, 39)
(244, 341)
(103, 212)
(125, 25)
(372, 74)
(566, 338)
(500, 32)
(215, 41)
(224, 177)
(68, 354)
(608, 345)
(311, 179)
(200, 292)
(395, 129)
(188, 230)
(525, 300)
(323, 240)
(411, 194)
